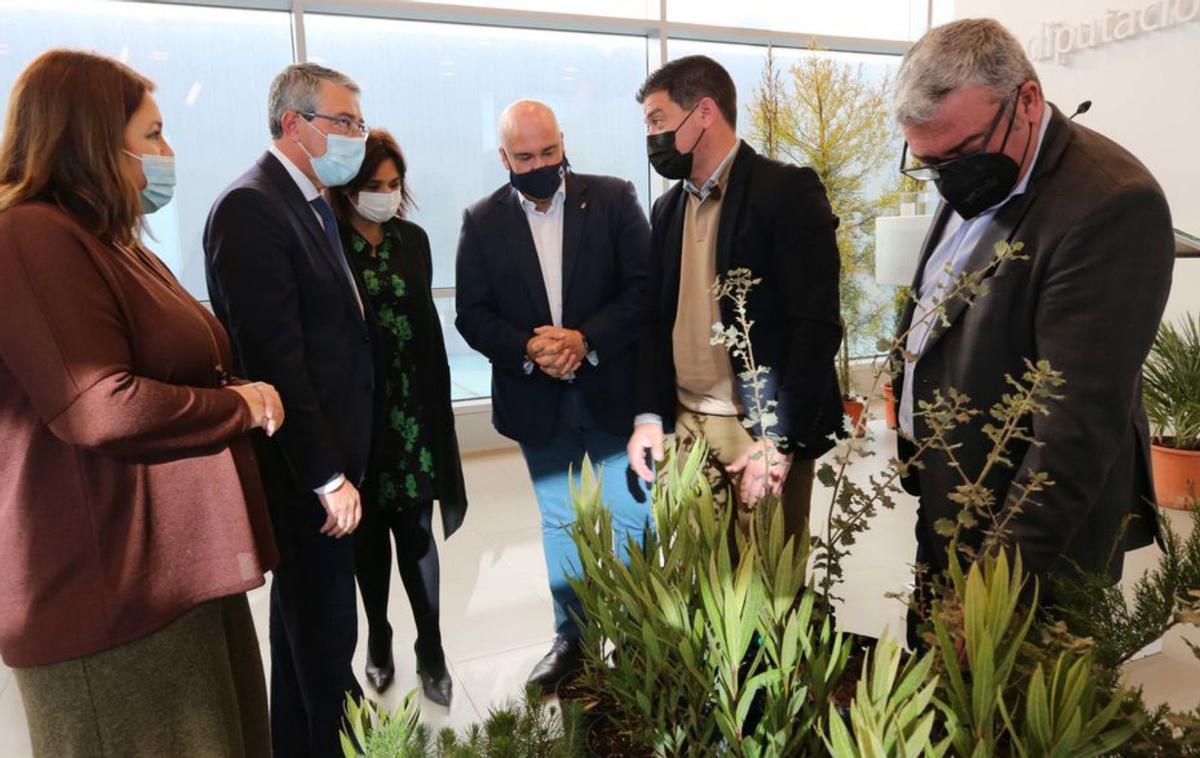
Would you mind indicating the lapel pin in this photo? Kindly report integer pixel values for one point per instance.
(583, 205)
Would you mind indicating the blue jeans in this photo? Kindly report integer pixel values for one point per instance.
(550, 466)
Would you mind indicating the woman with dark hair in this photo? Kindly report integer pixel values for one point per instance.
(132, 519)
(414, 457)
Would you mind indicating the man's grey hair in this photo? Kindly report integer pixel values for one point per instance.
(973, 51)
(298, 88)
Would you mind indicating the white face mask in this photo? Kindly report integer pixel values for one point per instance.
(378, 206)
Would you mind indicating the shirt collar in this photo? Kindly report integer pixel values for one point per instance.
(719, 175)
(556, 201)
(307, 188)
(1037, 151)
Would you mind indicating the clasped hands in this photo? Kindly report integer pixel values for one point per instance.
(762, 469)
(556, 351)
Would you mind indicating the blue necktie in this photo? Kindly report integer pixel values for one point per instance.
(335, 244)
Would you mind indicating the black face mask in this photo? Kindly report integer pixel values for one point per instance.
(972, 184)
(540, 183)
(666, 159)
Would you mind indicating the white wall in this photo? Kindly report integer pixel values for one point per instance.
(1145, 93)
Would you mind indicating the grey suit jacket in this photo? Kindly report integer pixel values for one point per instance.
(1097, 232)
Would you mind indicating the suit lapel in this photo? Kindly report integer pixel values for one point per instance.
(524, 255)
(304, 213)
(1007, 221)
(932, 238)
(675, 203)
(575, 211)
(735, 190)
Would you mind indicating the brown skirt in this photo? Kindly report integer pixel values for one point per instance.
(193, 688)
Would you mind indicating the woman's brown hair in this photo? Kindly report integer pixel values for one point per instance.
(381, 146)
(64, 141)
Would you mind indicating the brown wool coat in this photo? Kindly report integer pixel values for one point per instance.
(128, 489)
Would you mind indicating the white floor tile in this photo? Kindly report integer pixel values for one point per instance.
(523, 552)
(14, 735)
(494, 680)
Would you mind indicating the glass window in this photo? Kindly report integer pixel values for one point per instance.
(868, 308)
(212, 67)
(873, 19)
(608, 8)
(440, 88)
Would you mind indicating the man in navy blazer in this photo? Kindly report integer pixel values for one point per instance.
(280, 282)
(550, 287)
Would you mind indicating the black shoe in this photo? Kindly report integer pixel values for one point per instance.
(381, 669)
(562, 663)
(435, 678)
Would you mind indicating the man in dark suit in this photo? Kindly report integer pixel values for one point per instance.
(280, 282)
(1097, 232)
(735, 209)
(551, 270)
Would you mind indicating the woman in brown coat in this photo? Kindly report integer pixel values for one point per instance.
(132, 521)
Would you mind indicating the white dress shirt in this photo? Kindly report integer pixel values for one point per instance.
(959, 239)
(547, 230)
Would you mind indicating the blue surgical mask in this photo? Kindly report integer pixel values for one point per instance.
(342, 159)
(160, 180)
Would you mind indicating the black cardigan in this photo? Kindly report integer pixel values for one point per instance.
(433, 375)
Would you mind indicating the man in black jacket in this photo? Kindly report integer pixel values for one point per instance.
(550, 283)
(1097, 235)
(735, 209)
(280, 282)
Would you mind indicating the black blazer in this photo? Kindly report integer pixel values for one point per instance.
(276, 284)
(775, 221)
(415, 262)
(1097, 232)
(502, 299)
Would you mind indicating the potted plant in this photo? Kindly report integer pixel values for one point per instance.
(834, 117)
(1172, 396)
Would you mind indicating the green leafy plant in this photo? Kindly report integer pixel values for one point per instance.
(696, 648)
(374, 733)
(529, 729)
(894, 712)
(1172, 384)
(998, 706)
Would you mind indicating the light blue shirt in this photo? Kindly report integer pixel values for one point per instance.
(959, 239)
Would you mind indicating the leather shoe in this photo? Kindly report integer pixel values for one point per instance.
(562, 663)
(381, 670)
(435, 679)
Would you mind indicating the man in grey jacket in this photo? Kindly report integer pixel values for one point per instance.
(1087, 298)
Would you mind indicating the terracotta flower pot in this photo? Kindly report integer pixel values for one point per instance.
(889, 406)
(1175, 471)
(855, 409)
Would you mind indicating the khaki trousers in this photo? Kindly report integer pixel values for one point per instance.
(727, 439)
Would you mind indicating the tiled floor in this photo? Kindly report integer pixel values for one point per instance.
(497, 618)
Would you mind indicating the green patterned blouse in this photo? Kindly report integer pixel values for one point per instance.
(409, 476)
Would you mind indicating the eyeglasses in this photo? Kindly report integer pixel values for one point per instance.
(341, 124)
(933, 171)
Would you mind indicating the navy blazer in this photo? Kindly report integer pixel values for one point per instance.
(501, 299)
(276, 284)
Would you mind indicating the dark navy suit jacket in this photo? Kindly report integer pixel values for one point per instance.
(276, 284)
(501, 299)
